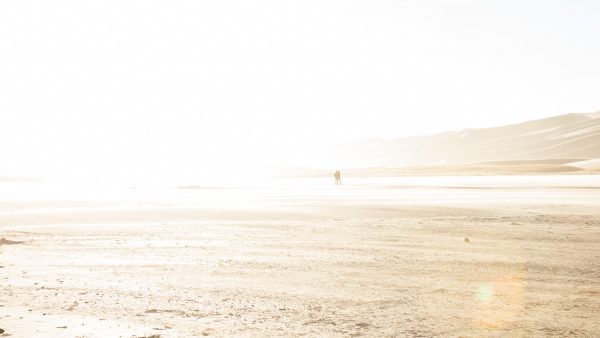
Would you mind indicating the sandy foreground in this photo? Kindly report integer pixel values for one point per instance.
(351, 261)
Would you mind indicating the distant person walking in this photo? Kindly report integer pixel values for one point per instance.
(338, 177)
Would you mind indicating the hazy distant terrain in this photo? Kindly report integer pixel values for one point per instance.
(563, 143)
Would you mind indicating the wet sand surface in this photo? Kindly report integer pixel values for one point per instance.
(349, 262)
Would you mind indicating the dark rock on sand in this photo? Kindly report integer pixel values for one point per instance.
(4, 241)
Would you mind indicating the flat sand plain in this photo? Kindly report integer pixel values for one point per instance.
(418, 257)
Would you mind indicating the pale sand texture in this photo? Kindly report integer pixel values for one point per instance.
(348, 262)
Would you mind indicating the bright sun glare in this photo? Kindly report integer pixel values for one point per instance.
(203, 89)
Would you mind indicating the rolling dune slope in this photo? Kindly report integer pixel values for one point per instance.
(571, 136)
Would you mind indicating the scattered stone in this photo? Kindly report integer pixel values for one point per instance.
(4, 241)
(73, 306)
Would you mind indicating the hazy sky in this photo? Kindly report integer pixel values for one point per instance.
(164, 84)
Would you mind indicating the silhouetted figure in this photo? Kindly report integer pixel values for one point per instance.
(338, 177)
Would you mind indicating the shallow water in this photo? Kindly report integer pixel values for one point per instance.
(570, 189)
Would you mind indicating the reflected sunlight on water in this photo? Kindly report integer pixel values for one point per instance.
(269, 192)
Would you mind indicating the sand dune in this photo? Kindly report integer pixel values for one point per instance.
(593, 164)
(571, 136)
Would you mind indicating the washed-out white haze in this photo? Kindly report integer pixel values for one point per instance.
(188, 89)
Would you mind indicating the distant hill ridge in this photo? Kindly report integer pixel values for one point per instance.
(572, 136)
